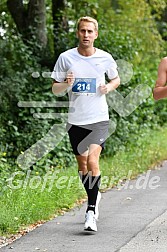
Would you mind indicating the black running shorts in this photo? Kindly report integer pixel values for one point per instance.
(81, 136)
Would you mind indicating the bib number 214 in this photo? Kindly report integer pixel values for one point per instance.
(84, 86)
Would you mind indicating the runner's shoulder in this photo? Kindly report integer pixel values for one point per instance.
(68, 52)
(104, 53)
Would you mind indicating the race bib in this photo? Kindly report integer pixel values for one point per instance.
(84, 86)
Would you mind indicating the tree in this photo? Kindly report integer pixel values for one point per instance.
(59, 21)
(30, 20)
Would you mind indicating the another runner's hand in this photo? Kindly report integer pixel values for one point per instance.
(70, 79)
(103, 89)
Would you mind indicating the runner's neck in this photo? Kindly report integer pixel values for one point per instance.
(86, 52)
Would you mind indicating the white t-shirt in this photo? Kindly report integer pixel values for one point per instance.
(86, 104)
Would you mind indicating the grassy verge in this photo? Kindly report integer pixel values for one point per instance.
(149, 150)
(29, 199)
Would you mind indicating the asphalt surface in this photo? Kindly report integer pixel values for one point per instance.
(132, 219)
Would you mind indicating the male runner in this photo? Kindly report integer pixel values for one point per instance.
(81, 71)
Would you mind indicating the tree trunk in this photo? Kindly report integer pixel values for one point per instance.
(59, 22)
(19, 14)
(37, 21)
(30, 21)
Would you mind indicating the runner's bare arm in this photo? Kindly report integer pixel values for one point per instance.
(110, 86)
(58, 87)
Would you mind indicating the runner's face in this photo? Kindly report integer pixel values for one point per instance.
(86, 34)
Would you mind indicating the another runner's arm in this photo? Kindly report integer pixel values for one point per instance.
(58, 87)
(160, 90)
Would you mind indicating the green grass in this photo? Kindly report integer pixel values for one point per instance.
(144, 153)
(41, 198)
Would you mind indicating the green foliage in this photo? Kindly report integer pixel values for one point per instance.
(19, 129)
(157, 7)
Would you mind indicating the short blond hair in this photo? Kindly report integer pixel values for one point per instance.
(87, 19)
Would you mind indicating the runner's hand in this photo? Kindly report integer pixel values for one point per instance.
(70, 78)
(103, 89)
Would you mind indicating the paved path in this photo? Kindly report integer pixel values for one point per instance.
(133, 219)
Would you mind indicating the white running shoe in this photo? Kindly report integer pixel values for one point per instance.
(90, 221)
(97, 205)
